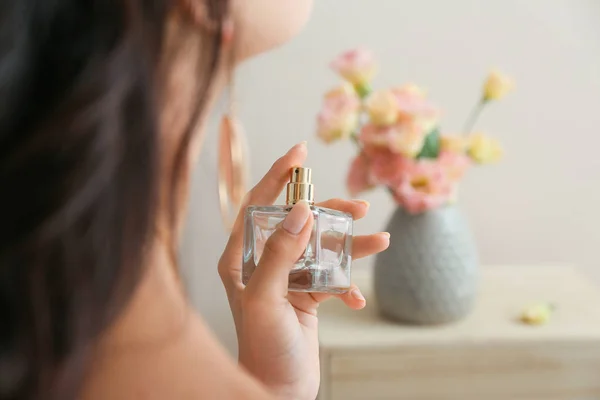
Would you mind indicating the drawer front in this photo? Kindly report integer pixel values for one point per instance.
(527, 372)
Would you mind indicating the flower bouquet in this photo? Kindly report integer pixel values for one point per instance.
(429, 274)
(400, 142)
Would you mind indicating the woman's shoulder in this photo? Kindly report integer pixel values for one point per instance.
(160, 348)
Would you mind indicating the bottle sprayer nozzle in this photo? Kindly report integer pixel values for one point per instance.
(300, 187)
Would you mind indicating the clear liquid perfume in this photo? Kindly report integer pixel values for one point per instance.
(325, 264)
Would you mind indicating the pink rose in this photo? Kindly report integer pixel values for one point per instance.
(424, 186)
(454, 164)
(413, 103)
(386, 166)
(377, 136)
(406, 139)
(339, 116)
(359, 176)
(356, 66)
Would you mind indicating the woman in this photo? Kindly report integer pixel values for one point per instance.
(102, 108)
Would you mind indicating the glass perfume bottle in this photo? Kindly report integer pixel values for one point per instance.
(325, 264)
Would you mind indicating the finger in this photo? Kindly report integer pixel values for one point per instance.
(270, 186)
(264, 193)
(285, 246)
(353, 298)
(357, 208)
(364, 246)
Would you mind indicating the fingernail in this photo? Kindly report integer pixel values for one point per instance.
(301, 144)
(297, 218)
(366, 203)
(357, 295)
(386, 234)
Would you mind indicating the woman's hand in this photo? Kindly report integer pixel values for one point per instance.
(277, 329)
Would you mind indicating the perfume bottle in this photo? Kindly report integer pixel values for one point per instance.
(324, 266)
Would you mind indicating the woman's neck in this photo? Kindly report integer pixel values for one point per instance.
(158, 311)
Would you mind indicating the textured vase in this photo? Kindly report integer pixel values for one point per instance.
(429, 274)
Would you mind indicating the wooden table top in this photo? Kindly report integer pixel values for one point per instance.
(504, 292)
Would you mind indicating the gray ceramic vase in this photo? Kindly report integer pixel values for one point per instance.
(429, 275)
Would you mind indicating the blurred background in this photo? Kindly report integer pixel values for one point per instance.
(539, 206)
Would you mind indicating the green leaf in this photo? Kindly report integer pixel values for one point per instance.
(431, 147)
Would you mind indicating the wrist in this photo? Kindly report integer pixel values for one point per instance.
(291, 391)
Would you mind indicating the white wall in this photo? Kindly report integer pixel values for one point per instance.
(541, 205)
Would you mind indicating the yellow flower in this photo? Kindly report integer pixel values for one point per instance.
(496, 86)
(484, 149)
(408, 140)
(410, 90)
(345, 89)
(382, 107)
(453, 143)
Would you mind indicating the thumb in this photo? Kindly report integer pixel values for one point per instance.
(281, 252)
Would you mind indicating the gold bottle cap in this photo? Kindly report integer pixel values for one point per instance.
(300, 187)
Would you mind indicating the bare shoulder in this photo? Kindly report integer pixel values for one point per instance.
(193, 366)
(161, 349)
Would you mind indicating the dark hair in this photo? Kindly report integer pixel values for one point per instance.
(80, 90)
